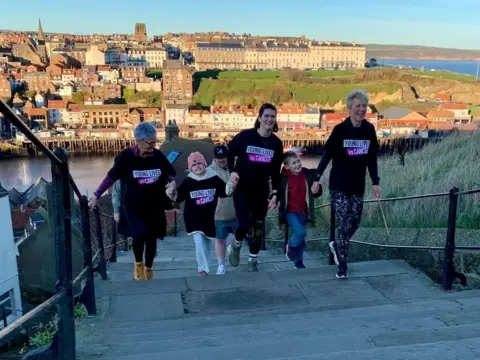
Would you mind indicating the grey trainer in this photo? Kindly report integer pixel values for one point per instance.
(252, 265)
(234, 255)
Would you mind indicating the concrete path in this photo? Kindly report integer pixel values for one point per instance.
(386, 310)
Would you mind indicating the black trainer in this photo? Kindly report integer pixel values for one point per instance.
(333, 249)
(342, 272)
(299, 264)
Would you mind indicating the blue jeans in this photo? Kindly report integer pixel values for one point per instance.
(297, 222)
(225, 227)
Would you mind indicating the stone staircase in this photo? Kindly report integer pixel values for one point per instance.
(386, 310)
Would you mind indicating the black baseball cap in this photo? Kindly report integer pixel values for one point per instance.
(220, 151)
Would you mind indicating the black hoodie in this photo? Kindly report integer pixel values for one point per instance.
(352, 150)
(258, 159)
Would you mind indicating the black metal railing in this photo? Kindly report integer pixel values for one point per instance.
(449, 274)
(63, 345)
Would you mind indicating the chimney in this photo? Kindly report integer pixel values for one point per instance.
(22, 209)
(171, 131)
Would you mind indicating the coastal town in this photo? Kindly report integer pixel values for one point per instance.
(175, 174)
(100, 86)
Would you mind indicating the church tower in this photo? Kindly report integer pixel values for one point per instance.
(140, 33)
(41, 48)
(41, 35)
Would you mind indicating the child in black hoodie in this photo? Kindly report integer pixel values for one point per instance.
(296, 204)
(200, 191)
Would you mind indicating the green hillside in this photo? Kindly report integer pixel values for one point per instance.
(257, 91)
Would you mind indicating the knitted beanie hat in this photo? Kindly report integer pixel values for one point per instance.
(194, 159)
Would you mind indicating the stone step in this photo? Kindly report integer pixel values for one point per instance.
(445, 350)
(292, 331)
(276, 345)
(261, 349)
(234, 280)
(450, 311)
(407, 320)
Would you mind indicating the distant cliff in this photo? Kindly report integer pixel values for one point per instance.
(410, 52)
(467, 92)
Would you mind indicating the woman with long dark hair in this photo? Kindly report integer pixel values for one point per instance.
(258, 153)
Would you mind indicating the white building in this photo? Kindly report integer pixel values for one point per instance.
(312, 117)
(104, 72)
(10, 299)
(176, 112)
(39, 100)
(137, 58)
(66, 90)
(94, 56)
(57, 111)
(74, 115)
(155, 57)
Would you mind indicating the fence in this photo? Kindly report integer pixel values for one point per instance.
(449, 274)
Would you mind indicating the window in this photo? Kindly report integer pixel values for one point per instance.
(5, 306)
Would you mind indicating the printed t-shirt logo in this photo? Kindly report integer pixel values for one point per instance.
(146, 177)
(203, 197)
(259, 155)
(356, 147)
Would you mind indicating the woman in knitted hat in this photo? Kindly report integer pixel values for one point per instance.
(200, 190)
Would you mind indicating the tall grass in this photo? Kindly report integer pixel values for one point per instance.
(434, 169)
(447, 75)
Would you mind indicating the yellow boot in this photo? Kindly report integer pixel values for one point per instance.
(148, 273)
(139, 271)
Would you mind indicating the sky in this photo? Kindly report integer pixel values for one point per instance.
(442, 23)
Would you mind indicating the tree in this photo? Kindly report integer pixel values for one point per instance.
(78, 97)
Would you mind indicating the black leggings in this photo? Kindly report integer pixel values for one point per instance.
(348, 213)
(147, 244)
(251, 209)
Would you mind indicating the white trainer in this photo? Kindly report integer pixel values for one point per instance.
(222, 270)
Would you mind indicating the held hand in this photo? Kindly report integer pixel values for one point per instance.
(232, 184)
(234, 177)
(272, 204)
(377, 191)
(116, 217)
(171, 188)
(93, 202)
(315, 187)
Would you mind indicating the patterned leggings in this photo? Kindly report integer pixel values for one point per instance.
(348, 212)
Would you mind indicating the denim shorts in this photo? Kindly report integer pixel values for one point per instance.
(225, 227)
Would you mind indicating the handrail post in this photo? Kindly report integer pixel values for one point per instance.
(448, 266)
(102, 266)
(63, 251)
(88, 294)
(113, 257)
(263, 244)
(4, 316)
(175, 228)
(331, 260)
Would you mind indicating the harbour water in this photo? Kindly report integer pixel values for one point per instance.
(87, 171)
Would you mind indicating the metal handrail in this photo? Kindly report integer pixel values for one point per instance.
(20, 124)
(8, 333)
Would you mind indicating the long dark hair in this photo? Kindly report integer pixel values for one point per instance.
(264, 107)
